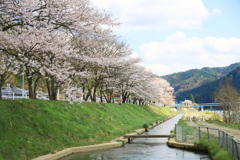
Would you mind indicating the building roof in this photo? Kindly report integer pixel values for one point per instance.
(11, 90)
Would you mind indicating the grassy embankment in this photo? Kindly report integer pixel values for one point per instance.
(214, 150)
(207, 115)
(30, 128)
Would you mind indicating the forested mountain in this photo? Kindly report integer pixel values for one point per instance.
(201, 83)
(204, 93)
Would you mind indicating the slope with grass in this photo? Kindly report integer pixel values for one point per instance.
(30, 128)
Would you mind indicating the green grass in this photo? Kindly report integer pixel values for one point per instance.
(215, 151)
(182, 122)
(30, 128)
(188, 134)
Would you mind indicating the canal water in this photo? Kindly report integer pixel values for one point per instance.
(145, 148)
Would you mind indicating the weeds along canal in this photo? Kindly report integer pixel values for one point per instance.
(144, 148)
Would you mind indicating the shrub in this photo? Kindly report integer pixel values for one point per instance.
(145, 126)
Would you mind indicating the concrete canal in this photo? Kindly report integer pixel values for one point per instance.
(144, 148)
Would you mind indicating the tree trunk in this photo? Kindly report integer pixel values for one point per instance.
(32, 84)
(3, 77)
(107, 97)
(134, 101)
(1, 84)
(83, 91)
(124, 97)
(52, 89)
(101, 95)
(93, 95)
(87, 96)
(110, 98)
(32, 94)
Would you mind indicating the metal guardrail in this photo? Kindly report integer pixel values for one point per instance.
(192, 134)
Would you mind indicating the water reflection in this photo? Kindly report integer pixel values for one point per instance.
(145, 148)
(141, 152)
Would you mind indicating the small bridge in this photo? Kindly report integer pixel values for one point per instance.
(130, 137)
(203, 106)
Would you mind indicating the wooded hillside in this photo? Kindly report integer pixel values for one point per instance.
(201, 83)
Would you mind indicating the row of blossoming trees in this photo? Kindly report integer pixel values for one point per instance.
(71, 45)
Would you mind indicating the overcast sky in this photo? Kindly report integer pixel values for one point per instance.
(177, 35)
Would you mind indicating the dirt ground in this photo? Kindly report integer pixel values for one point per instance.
(234, 132)
(231, 131)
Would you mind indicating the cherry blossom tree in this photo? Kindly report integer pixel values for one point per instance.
(35, 53)
(164, 91)
(132, 80)
(8, 66)
(76, 16)
(101, 62)
(34, 24)
(119, 76)
(70, 44)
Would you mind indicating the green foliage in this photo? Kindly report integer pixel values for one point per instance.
(182, 122)
(145, 126)
(216, 151)
(192, 98)
(201, 83)
(30, 128)
(205, 92)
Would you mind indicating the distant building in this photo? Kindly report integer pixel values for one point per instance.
(187, 103)
(13, 92)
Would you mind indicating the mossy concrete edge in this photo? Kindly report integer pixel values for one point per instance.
(173, 143)
(118, 142)
(72, 150)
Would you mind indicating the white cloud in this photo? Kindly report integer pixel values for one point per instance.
(216, 11)
(178, 37)
(134, 55)
(157, 14)
(158, 68)
(180, 53)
